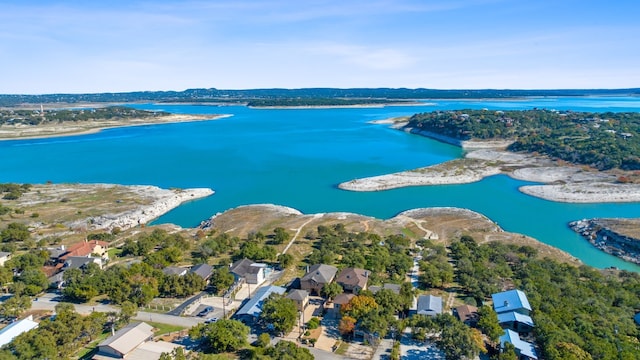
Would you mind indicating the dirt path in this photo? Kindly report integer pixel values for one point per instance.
(299, 229)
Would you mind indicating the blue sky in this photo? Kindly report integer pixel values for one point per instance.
(112, 46)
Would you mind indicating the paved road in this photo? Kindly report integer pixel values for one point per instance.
(49, 301)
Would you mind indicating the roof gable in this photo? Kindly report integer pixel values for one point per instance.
(523, 347)
(320, 273)
(203, 270)
(298, 295)
(84, 248)
(353, 277)
(430, 303)
(511, 300)
(513, 316)
(129, 337)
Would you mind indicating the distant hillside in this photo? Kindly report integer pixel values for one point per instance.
(243, 96)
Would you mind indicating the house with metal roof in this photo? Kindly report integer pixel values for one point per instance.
(512, 300)
(11, 331)
(124, 341)
(252, 309)
(525, 350)
(429, 305)
(174, 270)
(317, 277)
(516, 321)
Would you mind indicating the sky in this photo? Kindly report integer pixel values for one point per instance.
(79, 46)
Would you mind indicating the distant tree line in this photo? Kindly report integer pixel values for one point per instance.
(600, 140)
(221, 95)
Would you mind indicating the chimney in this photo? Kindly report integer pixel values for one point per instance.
(506, 303)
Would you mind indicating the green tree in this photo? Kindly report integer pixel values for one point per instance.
(280, 235)
(35, 281)
(488, 323)
(286, 350)
(264, 340)
(280, 313)
(128, 310)
(15, 306)
(15, 232)
(508, 353)
(221, 279)
(221, 336)
(285, 260)
(331, 290)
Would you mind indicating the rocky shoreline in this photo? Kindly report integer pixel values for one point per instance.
(598, 233)
(561, 182)
(161, 202)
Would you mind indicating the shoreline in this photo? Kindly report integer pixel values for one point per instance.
(566, 183)
(60, 130)
(162, 201)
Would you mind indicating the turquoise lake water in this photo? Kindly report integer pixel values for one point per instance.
(296, 158)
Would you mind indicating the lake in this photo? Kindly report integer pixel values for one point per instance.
(296, 158)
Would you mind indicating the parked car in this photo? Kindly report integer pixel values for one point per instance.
(211, 320)
(205, 311)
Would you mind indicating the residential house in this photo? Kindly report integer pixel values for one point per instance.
(467, 314)
(512, 300)
(353, 280)
(513, 310)
(342, 299)
(125, 340)
(429, 305)
(133, 341)
(252, 309)
(515, 321)
(95, 248)
(301, 298)
(80, 262)
(317, 277)
(11, 331)
(175, 270)
(251, 272)
(55, 254)
(524, 350)
(4, 256)
(203, 270)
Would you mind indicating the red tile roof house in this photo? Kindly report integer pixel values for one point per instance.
(87, 248)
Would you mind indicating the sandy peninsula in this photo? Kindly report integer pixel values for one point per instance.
(560, 181)
(71, 128)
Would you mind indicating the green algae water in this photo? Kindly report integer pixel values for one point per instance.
(296, 158)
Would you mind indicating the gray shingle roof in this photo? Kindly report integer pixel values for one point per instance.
(204, 270)
(429, 305)
(298, 295)
(320, 273)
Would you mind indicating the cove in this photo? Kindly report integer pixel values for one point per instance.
(296, 157)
